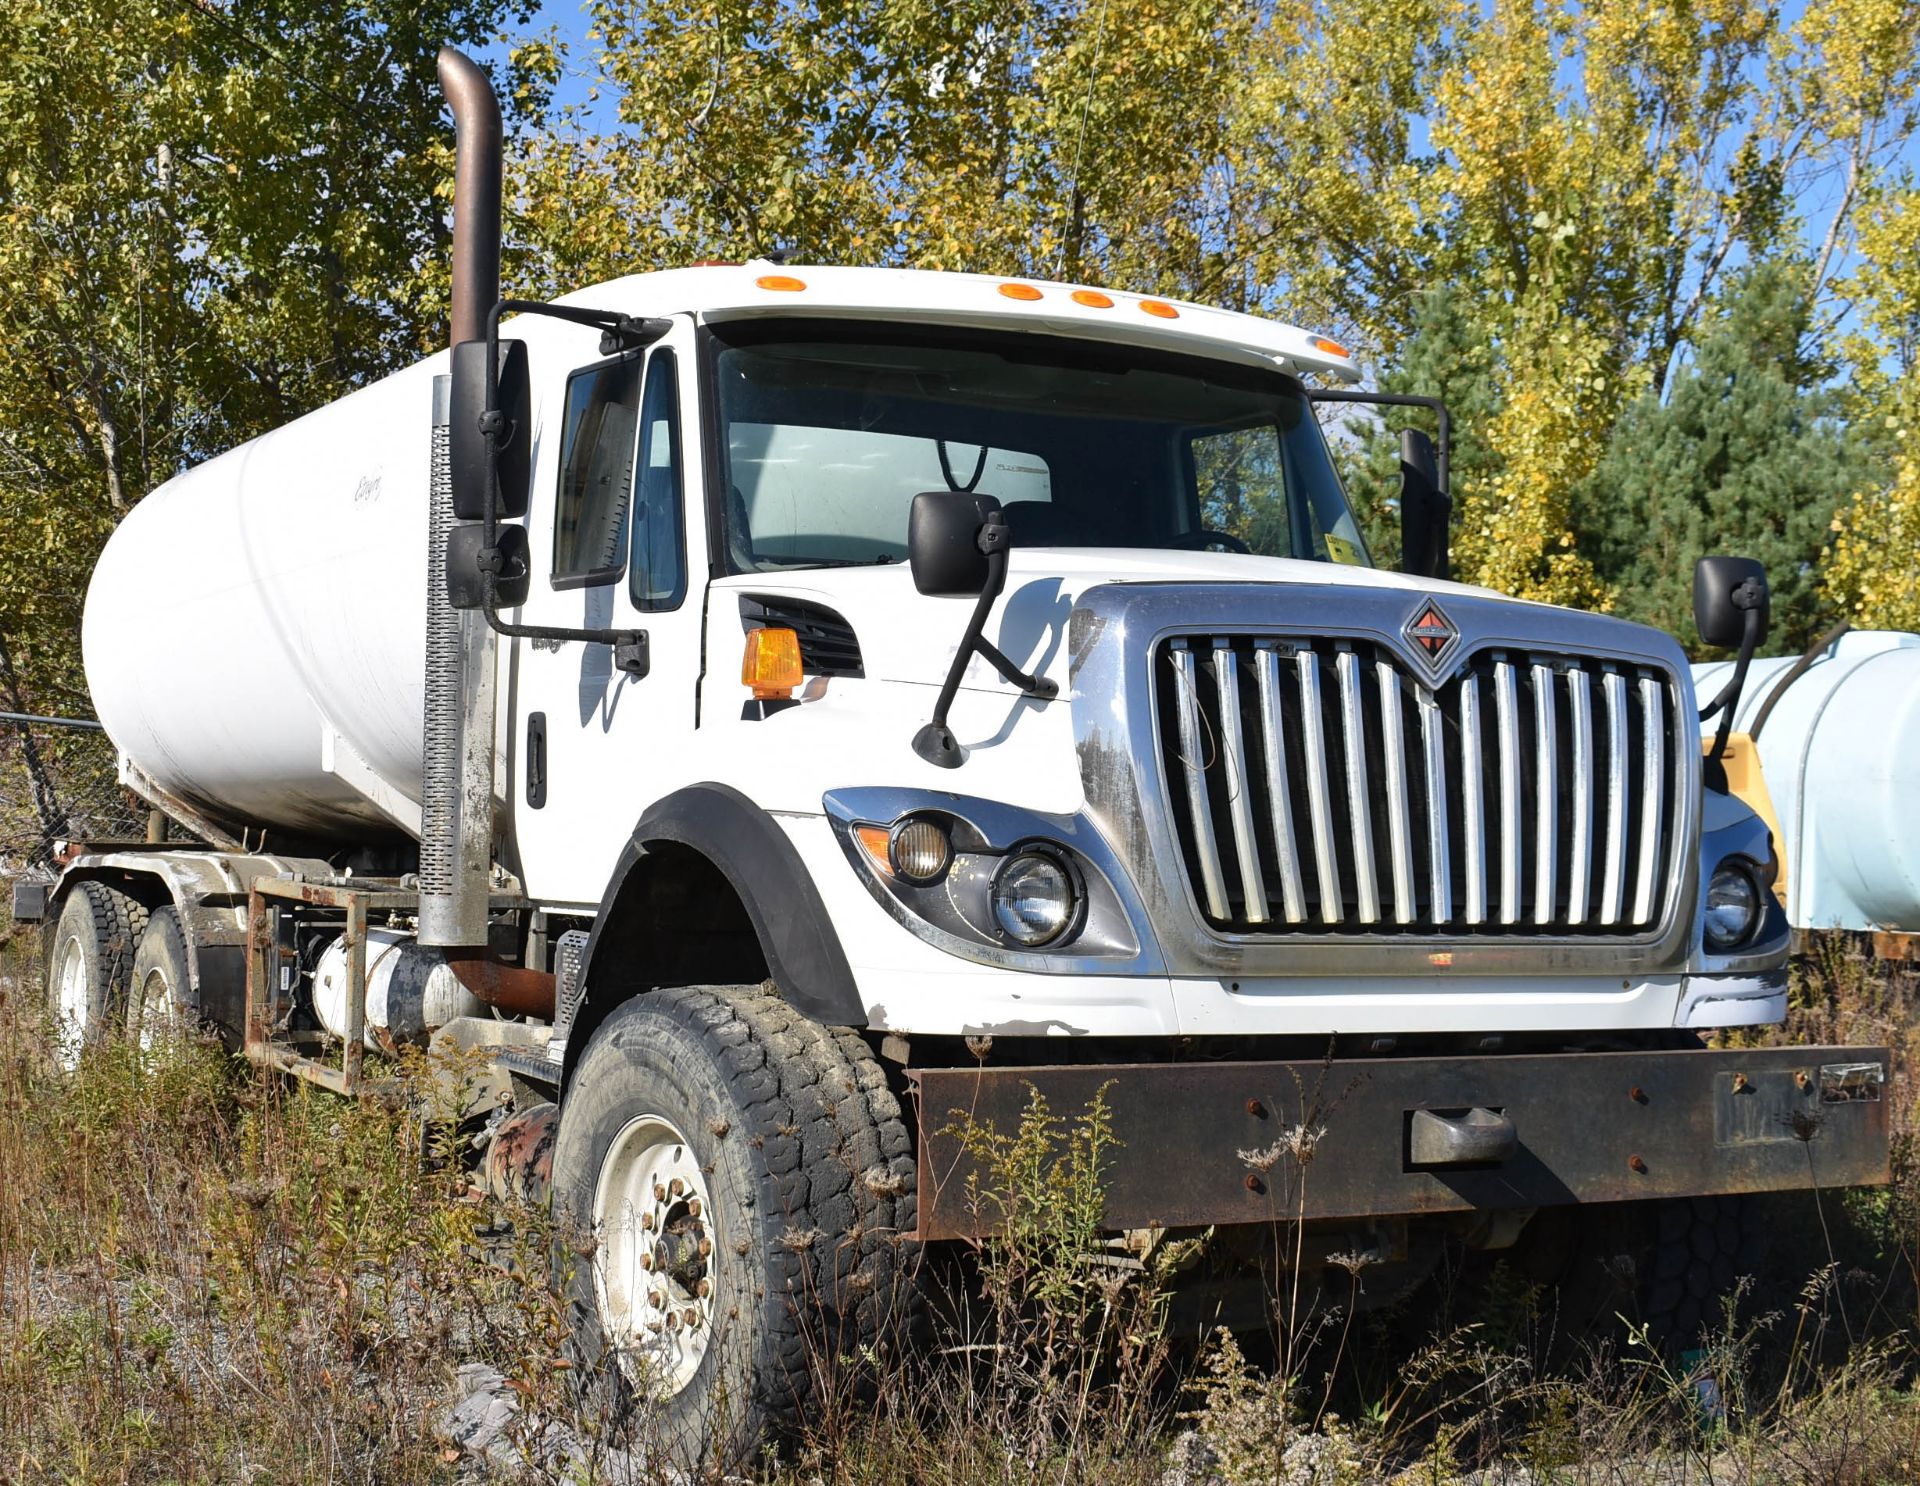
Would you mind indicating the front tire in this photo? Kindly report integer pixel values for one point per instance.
(740, 1185)
(91, 966)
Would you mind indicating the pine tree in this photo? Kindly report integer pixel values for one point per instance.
(1745, 455)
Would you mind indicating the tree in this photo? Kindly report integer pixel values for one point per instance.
(1746, 454)
(1869, 568)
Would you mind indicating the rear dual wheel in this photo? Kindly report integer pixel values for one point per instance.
(740, 1185)
(95, 940)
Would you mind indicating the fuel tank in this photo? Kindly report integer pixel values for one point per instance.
(1840, 752)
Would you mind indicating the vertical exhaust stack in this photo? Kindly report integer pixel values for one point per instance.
(457, 727)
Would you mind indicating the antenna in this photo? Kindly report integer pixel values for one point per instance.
(1086, 111)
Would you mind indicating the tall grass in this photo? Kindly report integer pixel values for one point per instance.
(207, 1276)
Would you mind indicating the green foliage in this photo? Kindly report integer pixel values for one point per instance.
(210, 223)
(1746, 453)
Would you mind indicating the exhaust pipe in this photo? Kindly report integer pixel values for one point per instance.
(457, 725)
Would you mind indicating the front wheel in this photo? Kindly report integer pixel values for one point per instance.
(739, 1183)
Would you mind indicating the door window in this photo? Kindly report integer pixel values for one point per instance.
(596, 474)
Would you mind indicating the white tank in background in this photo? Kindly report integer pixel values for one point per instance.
(1840, 752)
(411, 991)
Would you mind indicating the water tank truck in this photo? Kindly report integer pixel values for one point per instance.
(762, 709)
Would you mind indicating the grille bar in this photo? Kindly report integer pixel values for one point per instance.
(1506, 707)
(1273, 740)
(1319, 797)
(1359, 810)
(1253, 886)
(1546, 792)
(1580, 719)
(1193, 763)
(1576, 761)
(1613, 887)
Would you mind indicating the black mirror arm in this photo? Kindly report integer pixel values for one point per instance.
(1443, 444)
(618, 333)
(1750, 597)
(935, 742)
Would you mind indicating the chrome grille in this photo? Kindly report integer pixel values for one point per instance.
(1322, 787)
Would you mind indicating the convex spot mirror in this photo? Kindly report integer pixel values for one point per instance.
(1425, 513)
(1725, 590)
(467, 449)
(943, 541)
(467, 578)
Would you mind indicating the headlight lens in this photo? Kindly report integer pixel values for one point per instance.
(1733, 907)
(1034, 898)
(920, 850)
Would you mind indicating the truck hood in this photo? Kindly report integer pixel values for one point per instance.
(909, 637)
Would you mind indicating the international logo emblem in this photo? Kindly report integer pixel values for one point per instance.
(1432, 634)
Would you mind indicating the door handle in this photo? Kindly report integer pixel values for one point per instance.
(536, 759)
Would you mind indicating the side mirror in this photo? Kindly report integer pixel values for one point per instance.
(1425, 512)
(467, 576)
(468, 456)
(943, 541)
(1727, 591)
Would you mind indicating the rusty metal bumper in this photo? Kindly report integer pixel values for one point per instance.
(1204, 1143)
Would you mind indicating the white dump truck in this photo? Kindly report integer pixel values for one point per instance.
(767, 709)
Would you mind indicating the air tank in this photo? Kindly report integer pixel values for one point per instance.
(1840, 753)
(254, 631)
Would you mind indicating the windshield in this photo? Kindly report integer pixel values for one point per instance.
(829, 432)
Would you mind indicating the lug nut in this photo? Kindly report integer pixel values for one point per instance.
(646, 1222)
(693, 1206)
(659, 1193)
(692, 1316)
(646, 1261)
(703, 1289)
(706, 1248)
(677, 1186)
(673, 1322)
(657, 1299)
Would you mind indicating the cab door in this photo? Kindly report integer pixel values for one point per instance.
(592, 733)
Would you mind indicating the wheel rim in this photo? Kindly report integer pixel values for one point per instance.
(653, 1270)
(72, 1000)
(152, 1008)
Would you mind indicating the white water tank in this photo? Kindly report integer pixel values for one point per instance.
(254, 633)
(1840, 752)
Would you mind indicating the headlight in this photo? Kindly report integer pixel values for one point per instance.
(1734, 907)
(1034, 898)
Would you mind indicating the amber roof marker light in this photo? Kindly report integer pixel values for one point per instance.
(1093, 299)
(1160, 309)
(1020, 291)
(784, 283)
(1332, 348)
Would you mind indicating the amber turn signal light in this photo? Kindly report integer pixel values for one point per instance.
(771, 665)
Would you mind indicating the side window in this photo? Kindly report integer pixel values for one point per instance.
(596, 474)
(1241, 487)
(658, 578)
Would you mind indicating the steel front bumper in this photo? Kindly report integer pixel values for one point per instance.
(1204, 1143)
